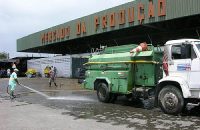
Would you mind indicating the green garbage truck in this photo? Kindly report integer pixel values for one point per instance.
(168, 74)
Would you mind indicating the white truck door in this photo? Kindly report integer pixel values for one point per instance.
(194, 81)
(179, 62)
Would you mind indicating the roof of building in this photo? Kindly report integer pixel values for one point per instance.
(181, 41)
(7, 60)
(155, 21)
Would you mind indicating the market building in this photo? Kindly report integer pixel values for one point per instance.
(153, 21)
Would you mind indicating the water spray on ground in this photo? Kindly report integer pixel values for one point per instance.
(72, 98)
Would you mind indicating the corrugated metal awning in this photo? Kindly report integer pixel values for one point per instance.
(7, 60)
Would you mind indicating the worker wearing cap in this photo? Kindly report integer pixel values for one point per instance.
(13, 82)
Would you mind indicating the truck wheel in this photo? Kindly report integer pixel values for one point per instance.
(103, 93)
(171, 100)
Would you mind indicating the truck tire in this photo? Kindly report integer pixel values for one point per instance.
(171, 100)
(103, 93)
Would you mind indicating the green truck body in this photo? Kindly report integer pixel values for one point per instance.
(122, 72)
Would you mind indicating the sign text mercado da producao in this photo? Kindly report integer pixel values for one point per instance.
(111, 20)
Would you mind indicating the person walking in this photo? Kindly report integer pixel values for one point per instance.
(13, 81)
(52, 74)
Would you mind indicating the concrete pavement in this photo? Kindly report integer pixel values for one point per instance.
(70, 107)
(16, 115)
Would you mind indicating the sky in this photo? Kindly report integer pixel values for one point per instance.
(19, 18)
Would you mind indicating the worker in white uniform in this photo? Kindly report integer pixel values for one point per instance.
(13, 81)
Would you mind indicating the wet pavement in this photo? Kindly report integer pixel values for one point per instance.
(83, 104)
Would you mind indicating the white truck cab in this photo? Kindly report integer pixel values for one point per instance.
(181, 79)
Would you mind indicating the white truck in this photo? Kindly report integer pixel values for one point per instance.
(180, 84)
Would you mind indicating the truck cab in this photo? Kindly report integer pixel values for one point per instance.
(180, 83)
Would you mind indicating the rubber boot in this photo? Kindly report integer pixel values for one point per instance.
(55, 84)
(11, 95)
(49, 84)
